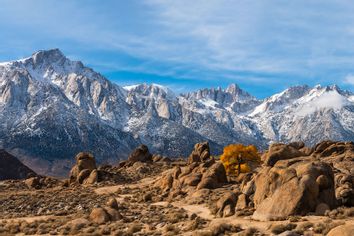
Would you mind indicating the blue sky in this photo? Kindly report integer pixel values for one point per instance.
(264, 46)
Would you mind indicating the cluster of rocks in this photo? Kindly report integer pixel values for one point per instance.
(294, 187)
(201, 173)
(101, 215)
(57, 201)
(84, 171)
(340, 155)
(39, 182)
(298, 180)
(293, 180)
(139, 154)
(140, 164)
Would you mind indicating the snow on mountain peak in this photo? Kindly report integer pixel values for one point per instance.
(130, 87)
(328, 98)
(306, 99)
(280, 100)
(51, 66)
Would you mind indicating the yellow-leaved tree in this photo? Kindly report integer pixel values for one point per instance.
(238, 158)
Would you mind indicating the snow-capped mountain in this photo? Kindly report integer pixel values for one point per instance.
(52, 107)
(308, 114)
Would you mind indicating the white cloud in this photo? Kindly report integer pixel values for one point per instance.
(203, 39)
(327, 100)
(349, 79)
(278, 38)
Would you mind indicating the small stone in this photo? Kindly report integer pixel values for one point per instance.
(226, 205)
(32, 182)
(133, 228)
(241, 202)
(99, 215)
(114, 215)
(193, 216)
(147, 197)
(321, 209)
(112, 202)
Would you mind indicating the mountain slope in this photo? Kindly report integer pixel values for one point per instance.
(310, 115)
(12, 168)
(51, 108)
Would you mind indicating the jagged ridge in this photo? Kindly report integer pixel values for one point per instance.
(52, 107)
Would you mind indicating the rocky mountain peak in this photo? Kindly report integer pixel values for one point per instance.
(153, 91)
(238, 93)
(294, 92)
(336, 88)
(233, 89)
(225, 97)
(48, 56)
(50, 63)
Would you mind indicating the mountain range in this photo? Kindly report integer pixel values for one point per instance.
(52, 107)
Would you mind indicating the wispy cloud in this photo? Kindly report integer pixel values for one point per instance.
(259, 43)
(349, 79)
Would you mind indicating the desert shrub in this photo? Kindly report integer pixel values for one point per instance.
(278, 229)
(302, 227)
(294, 218)
(250, 232)
(223, 228)
(341, 213)
(238, 158)
(133, 228)
(326, 226)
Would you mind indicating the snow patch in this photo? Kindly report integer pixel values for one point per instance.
(131, 87)
(208, 102)
(4, 63)
(259, 109)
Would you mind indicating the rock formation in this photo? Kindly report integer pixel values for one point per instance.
(141, 154)
(280, 151)
(202, 172)
(201, 153)
(84, 171)
(340, 155)
(101, 215)
(293, 187)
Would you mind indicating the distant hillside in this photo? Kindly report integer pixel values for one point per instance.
(12, 168)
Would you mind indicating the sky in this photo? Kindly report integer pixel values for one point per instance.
(263, 46)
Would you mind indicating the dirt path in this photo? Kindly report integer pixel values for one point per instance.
(115, 188)
(32, 219)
